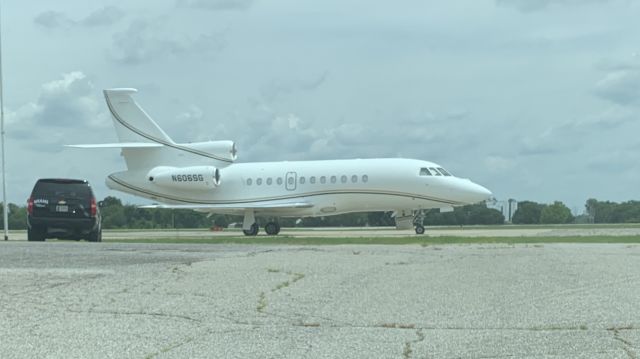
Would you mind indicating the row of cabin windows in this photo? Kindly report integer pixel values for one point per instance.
(433, 171)
(312, 180)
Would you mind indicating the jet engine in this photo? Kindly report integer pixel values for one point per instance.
(189, 178)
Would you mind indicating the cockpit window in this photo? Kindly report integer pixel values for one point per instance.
(435, 171)
(425, 172)
(443, 171)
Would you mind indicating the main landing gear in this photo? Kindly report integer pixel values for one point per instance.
(252, 231)
(251, 228)
(271, 228)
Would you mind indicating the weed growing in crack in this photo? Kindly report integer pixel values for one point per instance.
(262, 303)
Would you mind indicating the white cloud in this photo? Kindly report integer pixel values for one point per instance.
(621, 87)
(64, 108)
(146, 41)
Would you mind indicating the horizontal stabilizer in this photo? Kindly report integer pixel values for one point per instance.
(119, 145)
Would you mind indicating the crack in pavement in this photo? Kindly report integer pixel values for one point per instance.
(408, 345)
(262, 300)
(126, 313)
(626, 345)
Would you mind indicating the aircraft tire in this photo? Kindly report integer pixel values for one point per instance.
(419, 229)
(253, 231)
(272, 228)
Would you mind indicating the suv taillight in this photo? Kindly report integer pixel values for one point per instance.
(94, 207)
(30, 205)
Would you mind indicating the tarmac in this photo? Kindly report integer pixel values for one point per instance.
(432, 231)
(115, 300)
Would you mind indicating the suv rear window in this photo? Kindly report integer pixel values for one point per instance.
(62, 188)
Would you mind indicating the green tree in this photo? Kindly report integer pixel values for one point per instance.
(17, 216)
(528, 212)
(556, 213)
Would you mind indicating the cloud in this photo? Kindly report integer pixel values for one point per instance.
(498, 164)
(536, 5)
(571, 136)
(621, 87)
(105, 16)
(276, 89)
(216, 5)
(145, 41)
(52, 20)
(65, 108)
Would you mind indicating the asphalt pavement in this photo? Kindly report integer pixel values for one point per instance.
(116, 300)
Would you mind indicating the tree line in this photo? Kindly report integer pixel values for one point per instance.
(530, 212)
(116, 215)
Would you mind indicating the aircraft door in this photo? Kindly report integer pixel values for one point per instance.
(290, 181)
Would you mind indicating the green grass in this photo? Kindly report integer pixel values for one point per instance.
(419, 240)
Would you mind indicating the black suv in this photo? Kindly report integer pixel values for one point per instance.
(64, 209)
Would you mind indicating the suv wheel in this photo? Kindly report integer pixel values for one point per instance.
(35, 235)
(95, 236)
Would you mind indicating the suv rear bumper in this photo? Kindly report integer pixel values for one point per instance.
(71, 226)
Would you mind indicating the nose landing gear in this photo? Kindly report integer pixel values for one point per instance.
(418, 222)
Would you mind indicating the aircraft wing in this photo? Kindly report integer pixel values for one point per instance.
(235, 206)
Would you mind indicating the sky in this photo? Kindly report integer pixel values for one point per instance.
(534, 99)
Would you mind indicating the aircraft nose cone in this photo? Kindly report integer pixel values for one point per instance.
(474, 193)
(482, 193)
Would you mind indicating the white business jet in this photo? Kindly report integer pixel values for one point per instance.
(203, 176)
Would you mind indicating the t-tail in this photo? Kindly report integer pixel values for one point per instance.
(145, 145)
(152, 156)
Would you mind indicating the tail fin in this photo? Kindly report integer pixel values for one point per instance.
(131, 122)
(145, 145)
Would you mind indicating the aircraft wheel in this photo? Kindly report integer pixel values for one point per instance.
(272, 228)
(419, 229)
(253, 231)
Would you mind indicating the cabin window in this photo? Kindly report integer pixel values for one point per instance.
(333, 179)
(259, 181)
(312, 180)
(279, 181)
(302, 180)
(443, 171)
(365, 178)
(269, 181)
(290, 180)
(354, 178)
(435, 171)
(343, 179)
(323, 179)
(249, 181)
(425, 172)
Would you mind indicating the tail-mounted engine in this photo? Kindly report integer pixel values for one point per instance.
(186, 178)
